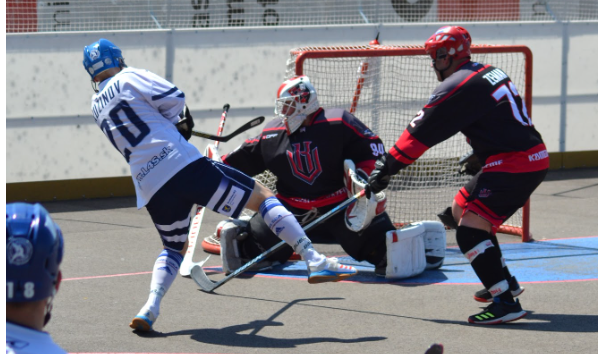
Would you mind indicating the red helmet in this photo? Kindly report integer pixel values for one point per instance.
(455, 39)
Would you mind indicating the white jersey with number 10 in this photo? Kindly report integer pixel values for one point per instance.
(137, 110)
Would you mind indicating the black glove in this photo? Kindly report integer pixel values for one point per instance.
(185, 124)
(470, 164)
(380, 177)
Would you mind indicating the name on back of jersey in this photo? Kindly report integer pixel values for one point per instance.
(102, 99)
(495, 76)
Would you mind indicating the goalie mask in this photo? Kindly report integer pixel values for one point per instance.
(295, 100)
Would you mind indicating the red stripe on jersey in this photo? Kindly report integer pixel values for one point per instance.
(400, 157)
(461, 198)
(532, 160)
(273, 129)
(456, 87)
(367, 166)
(407, 149)
(307, 204)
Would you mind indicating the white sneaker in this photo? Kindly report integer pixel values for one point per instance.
(329, 270)
(144, 321)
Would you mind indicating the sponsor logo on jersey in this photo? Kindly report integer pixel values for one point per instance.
(268, 136)
(538, 156)
(485, 193)
(495, 76)
(305, 162)
(18, 251)
(227, 208)
(153, 162)
(492, 164)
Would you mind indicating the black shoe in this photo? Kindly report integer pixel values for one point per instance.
(498, 312)
(484, 295)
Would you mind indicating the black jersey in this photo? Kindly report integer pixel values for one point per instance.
(481, 102)
(309, 162)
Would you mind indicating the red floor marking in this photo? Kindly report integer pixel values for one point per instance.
(105, 276)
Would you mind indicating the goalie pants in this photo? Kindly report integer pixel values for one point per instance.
(496, 196)
(368, 245)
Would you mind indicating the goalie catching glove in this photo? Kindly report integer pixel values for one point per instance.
(359, 215)
(185, 124)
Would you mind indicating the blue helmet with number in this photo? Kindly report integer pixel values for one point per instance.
(100, 56)
(34, 249)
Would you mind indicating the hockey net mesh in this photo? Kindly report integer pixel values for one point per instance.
(393, 89)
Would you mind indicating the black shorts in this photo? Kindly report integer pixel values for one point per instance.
(496, 196)
(204, 182)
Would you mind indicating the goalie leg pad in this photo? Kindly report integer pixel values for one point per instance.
(435, 243)
(231, 232)
(406, 256)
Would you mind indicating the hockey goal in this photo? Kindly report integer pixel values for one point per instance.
(385, 86)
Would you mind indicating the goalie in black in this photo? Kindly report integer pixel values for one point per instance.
(320, 158)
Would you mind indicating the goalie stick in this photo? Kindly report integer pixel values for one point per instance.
(252, 123)
(207, 285)
(187, 264)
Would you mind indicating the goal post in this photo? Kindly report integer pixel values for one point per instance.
(385, 86)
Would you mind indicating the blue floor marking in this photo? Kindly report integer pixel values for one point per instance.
(574, 259)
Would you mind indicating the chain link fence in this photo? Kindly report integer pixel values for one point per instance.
(108, 15)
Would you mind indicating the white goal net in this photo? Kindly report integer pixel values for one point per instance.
(385, 86)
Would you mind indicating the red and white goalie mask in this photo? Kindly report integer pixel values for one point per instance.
(296, 99)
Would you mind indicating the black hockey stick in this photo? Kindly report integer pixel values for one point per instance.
(200, 277)
(252, 123)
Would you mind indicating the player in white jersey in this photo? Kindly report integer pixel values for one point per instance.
(146, 119)
(34, 249)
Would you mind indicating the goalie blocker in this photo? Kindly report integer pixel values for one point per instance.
(360, 215)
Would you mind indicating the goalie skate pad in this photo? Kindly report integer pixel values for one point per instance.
(231, 231)
(434, 243)
(359, 215)
(405, 252)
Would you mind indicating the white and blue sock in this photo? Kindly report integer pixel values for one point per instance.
(165, 271)
(284, 225)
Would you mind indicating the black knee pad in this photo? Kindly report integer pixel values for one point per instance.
(468, 238)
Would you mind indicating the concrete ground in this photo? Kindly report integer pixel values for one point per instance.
(111, 248)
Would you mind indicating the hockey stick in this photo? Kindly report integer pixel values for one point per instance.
(200, 277)
(252, 123)
(187, 264)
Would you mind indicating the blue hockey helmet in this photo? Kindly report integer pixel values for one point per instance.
(100, 56)
(34, 249)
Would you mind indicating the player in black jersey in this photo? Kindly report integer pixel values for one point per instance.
(308, 149)
(481, 102)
